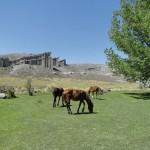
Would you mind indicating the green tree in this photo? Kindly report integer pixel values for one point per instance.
(130, 32)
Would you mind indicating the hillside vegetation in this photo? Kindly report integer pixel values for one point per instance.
(80, 76)
(45, 84)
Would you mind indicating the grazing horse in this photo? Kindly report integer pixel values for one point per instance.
(57, 92)
(77, 95)
(95, 89)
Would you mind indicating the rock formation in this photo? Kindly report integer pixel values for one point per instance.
(43, 59)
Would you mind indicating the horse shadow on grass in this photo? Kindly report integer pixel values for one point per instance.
(142, 96)
(8, 97)
(64, 105)
(85, 113)
(102, 99)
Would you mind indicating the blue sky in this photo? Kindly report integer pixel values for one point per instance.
(75, 30)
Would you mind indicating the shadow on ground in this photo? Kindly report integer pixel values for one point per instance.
(143, 96)
(98, 98)
(102, 99)
(84, 113)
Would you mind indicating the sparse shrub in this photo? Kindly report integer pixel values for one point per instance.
(11, 91)
(47, 89)
(8, 90)
(29, 87)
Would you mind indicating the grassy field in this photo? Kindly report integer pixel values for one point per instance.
(47, 83)
(121, 121)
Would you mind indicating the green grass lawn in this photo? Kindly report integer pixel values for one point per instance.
(121, 121)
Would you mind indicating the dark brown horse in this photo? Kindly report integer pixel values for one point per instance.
(77, 95)
(57, 92)
(95, 89)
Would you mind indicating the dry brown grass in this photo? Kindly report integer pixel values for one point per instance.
(49, 83)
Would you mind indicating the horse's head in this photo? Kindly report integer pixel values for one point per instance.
(90, 107)
(89, 102)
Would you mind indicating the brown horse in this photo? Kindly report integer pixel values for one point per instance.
(77, 95)
(95, 89)
(57, 92)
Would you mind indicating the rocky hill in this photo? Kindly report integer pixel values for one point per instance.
(15, 56)
(88, 71)
(77, 71)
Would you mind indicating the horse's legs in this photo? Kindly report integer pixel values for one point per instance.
(58, 100)
(69, 109)
(63, 101)
(67, 100)
(79, 107)
(54, 103)
(83, 106)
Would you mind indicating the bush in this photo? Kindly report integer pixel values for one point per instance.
(29, 87)
(8, 90)
(11, 91)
